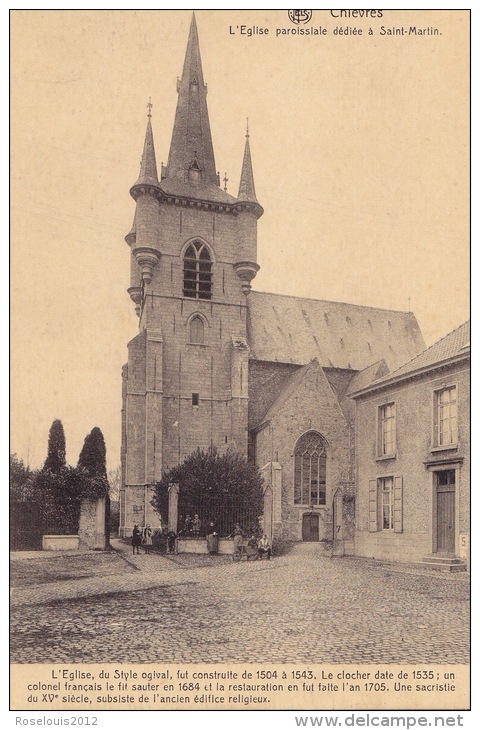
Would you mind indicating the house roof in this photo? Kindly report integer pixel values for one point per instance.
(364, 377)
(451, 347)
(296, 330)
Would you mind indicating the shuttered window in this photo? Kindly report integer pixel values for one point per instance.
(372, 506)
(385, 504)
(398, 504)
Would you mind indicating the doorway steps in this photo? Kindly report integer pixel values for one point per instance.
(446, 563)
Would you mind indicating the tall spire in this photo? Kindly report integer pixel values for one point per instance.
(246, 189)
(191, 151)
(148, 166)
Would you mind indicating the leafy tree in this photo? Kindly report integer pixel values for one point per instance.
(224, 488)
(114, 481)
(20, 476)
(58, 496)
(56, 456)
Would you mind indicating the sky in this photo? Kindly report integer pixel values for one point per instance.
(360, 148)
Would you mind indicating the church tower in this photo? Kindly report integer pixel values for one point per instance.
(193, 255)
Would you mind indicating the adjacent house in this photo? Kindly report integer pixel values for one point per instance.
(413, 457)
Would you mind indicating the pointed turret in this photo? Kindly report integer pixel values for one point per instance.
(246, 189)
(144, 237)
(135, 289)
(249, 210)
(148, 166)
(191, 155)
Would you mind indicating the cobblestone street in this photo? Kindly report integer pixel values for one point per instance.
(302, 607)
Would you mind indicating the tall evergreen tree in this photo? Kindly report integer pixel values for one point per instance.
(94, 454)
(57, 489)
(56, 456)
(93, 461)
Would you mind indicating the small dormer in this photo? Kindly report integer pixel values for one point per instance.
(195, 171)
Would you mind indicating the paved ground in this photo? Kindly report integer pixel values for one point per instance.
(302, 607)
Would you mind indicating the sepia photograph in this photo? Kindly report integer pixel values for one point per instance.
(240, 360)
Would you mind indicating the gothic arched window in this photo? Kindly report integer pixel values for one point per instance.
(197, 272)
(197, 331)
(310, 474)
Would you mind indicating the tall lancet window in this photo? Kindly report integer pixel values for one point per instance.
(197, 331)
(197, 272)
(310, 479)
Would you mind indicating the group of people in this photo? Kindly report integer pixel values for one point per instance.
(142, 537)
(254, 548)
(191, 526)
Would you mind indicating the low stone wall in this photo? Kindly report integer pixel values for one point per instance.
(225, 547)
(60, 542)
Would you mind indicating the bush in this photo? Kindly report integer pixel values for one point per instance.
(223, 488)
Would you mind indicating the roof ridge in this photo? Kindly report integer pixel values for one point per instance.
(331, 301)
(434, 344)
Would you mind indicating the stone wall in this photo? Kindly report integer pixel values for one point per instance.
(415, 461)
(91, 529)
(311, 406)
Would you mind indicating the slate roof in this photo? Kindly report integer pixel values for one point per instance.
(191, 136)
(148, 166)
(196, 190)
(246, 189)
(363, 378)
(454, 345)
(297, 330)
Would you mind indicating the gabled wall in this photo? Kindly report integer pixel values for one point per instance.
(311, 406)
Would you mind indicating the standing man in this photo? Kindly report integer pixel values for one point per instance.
(136, 539)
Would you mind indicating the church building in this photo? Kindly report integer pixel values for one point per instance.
(216, 363)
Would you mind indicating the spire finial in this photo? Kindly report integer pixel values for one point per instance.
(149, 107)
(225, 181)
(247, 135)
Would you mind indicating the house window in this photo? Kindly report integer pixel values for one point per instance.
(387, 430)
(310, 470)
(445, 416)
(385, 504)
(197, 272)
(195, 399)
(197, 331)
(386, 497)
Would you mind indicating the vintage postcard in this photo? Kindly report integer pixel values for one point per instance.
(240, 469)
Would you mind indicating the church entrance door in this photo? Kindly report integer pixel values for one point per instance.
(310, 527)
